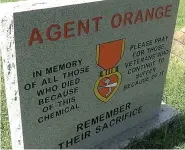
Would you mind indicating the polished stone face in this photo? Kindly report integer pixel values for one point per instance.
(89, 72)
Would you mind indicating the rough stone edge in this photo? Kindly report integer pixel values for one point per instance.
(38, 4)
(166, 115)
(7, 47)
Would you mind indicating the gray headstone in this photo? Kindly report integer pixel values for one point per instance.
(79, 73)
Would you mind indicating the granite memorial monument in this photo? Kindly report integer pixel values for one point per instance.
(78, 74)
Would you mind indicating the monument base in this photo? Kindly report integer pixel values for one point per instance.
(166, 115)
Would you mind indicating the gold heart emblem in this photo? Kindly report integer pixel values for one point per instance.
(107, 85)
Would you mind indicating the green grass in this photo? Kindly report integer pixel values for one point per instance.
(175, 84)
(181, 15)
(169, 136)
(5, 132)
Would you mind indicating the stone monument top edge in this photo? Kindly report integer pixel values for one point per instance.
(22, 6)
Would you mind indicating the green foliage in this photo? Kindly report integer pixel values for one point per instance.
(181, 15)
(5, 132)
(174, 93)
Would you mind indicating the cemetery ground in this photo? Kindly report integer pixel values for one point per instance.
(167, 137)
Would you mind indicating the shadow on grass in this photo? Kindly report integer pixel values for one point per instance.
(166, 137)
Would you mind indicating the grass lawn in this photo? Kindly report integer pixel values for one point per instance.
(5, 132)
(170, 136)
(181, 15)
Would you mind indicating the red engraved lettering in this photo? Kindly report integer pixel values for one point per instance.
(119, 20)
(84, 27)
(97, 21)
(167, 10)
(139, 17)
(149, 14)
(159, 12)
(67, 29)
(35, 32)
(57, 33)
(128, 18)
